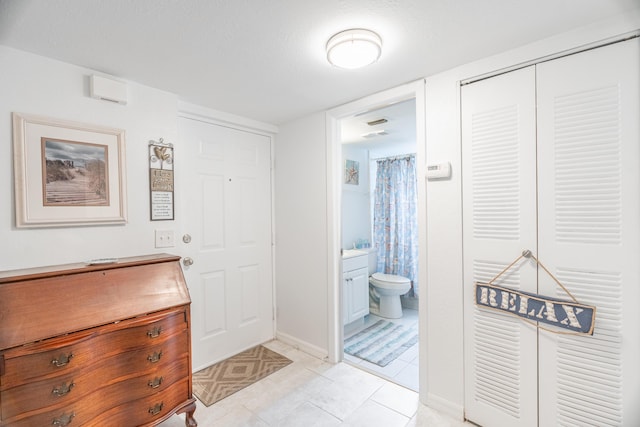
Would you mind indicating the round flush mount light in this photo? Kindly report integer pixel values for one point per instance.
(354, 48)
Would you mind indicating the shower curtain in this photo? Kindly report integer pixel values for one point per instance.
(395, 222)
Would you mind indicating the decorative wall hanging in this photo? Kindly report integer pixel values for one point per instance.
(67, 173)
(161, 180)
(573, 317)
(351, 172)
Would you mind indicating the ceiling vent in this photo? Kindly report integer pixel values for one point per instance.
(374, 134)
(377, 122)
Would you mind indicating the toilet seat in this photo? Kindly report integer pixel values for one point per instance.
(389, 281)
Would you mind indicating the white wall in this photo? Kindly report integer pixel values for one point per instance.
(33, 84)
(356, 216)
(444, 210)
(301, 234)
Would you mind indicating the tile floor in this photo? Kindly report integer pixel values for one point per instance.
(404, 369)
(311, 392)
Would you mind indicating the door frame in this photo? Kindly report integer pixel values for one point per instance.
(414, 90)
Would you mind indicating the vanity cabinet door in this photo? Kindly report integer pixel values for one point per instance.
(359, 293)
(356, 294)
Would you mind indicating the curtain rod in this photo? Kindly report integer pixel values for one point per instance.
(401, 156)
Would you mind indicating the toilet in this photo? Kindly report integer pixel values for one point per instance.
(388, 288)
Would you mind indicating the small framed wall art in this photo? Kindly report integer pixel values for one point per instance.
(161, 180)
(351, 172)
(67, 173)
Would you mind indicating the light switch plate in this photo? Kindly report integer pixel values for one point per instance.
(164, 239)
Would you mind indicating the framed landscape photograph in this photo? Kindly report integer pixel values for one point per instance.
(67, 173)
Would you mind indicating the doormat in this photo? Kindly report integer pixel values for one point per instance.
(235, 373)
(382, 342)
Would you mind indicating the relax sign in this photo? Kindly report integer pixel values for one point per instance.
(576, 317)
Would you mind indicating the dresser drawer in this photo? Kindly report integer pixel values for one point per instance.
(145, 411)
(116, 379)
(60, 356)
(100, 413)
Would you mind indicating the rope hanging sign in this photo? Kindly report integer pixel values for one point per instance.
(570, 316)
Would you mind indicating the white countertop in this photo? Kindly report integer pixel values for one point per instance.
(350, 253)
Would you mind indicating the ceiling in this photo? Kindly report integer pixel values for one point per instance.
(265, 59)
(364, 130)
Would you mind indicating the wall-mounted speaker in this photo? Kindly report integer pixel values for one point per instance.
(108, 89)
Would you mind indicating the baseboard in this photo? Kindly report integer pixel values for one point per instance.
(310, 349)
(445, 406)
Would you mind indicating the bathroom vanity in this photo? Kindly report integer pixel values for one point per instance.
(355, 285)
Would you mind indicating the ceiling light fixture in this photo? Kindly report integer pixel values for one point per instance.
(354, 48)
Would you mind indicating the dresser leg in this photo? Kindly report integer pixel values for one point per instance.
(188, 419)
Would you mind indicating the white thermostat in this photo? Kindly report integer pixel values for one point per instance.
(439, 171)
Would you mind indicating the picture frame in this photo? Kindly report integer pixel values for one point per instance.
(67, 173)
(351, 172)
(161, 182)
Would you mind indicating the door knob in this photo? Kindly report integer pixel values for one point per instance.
(187, 262)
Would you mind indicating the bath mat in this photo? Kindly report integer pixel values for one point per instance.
(382, 342)
(235, 373)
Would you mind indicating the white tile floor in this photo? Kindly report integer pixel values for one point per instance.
(403, 370)
(311, 392)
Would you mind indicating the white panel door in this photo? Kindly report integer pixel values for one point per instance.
(228, 215)
(589, 215)
(499, 221)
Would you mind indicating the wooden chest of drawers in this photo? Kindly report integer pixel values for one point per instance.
(95, 345)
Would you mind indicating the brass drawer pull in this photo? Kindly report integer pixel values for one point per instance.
(62, 360)
(153, 358)
(155, 383)
(63, 420)
(155, 332)
(63, 389)
(155, 410)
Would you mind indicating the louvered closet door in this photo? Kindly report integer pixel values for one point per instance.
(589, 192)
(499, 220)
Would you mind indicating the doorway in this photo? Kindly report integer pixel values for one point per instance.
(380, 235)
(410, 95)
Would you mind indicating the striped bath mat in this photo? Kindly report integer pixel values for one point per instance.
(381, 342)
